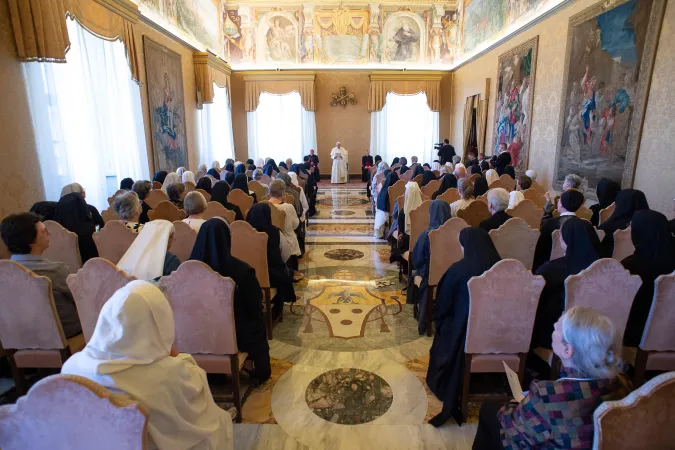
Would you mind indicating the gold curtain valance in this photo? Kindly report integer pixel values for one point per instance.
(279, 83)
(210, 69)
(405, 83)
(110, 20)
(39, 28)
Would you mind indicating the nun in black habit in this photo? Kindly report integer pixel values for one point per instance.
(205, 184)
(654, 255)
(447, 181)
(73, 213)
(161, 176)
(583, 249)
(241, 183)
(439, 213)
(446, 360)
(219, 194)
(45, 210)
(281, 278)
(212, 247)
(427, 177)
(214, 173)
(607, 190)
(628, 201)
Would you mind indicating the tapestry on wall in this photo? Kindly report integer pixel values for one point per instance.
(513, 107)
(610, 58)
(164, 79)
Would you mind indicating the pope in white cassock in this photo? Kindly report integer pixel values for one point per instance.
(340, 172)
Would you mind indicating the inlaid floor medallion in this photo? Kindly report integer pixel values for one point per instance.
(343, 254)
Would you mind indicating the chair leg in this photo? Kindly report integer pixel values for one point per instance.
(236, 386)
(640, 368)
(466, 383)
(268, 312)
(430, 307)
(20, 382)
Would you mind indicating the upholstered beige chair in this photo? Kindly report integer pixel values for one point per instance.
(474, 214)
(502, 306)
(642, 420)
(473, 178)
(203, 310)
(206, 195)
(30, 330)
(257, 188)
(657, 348)
(250, 246)
(515, 239)
(430, 189)
(606, 287)
(113, 241)
(585, 213)
(278, 216)
(4, 251)
(508, 182)
(266, 179)
(606, 213)
(538, 187)
(623, 244)
(437, 173)
(418, 180)
(184, 238)
(111, 199)
(395, 191)
(91, 287)
(419, 221)
(535, 197)
(155, 197)
(444, 252)
(241, 199)
(166, 211)
(529, 212)
(216, 209)
(64, 412)
(482, 198)
(156, 185)
(109, 214)
(189, 186)
(450, 196)
(63, 246)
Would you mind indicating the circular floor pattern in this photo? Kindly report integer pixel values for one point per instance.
(349, 396)
(342, 213)
(342, 201)
(343, 254)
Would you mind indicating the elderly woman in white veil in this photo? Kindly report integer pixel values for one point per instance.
(131, 351)
(378, 179)
(148, 257)
(171, 178)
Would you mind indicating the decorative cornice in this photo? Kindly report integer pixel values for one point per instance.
(211, 60)
(412, 75)
(125, 8)
(283, 75)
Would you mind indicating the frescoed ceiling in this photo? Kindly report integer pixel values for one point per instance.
(286, 34)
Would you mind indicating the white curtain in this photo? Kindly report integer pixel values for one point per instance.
(405, 127)
(217, 142)
(87, 118)
(280, 128)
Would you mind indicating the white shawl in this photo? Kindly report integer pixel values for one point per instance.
(146, 255)
(130, 352)
(413, 199)
(491, 176)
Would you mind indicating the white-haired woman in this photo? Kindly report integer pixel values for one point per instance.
(559, 414)
(128, 208)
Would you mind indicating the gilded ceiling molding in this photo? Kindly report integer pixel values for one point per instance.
(210, 69)
(257, 81)
(404, 83)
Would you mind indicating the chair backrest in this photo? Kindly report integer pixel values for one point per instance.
(63, 246)
(606, 287)
(557, 250)
(419, 221)
(483, 198)
(418, 180)
(431, 188)
(437, 173)
(241, 199)
(508, 182)
(449, 196)
(166, 211)
(266, 179)
(109, 214)
(401, 203)
(585, 213)
(259, 189)
(503, 326)
(473, 178)
(445, 248)
(203, 309)
(206, 195)
(73, 412)
(538, 187)
(659, 334)
(216, 209)
(641, 420)
(189, 186)
(395, 192)
(535, 197)
(515, 239)
(623, 244)
(278, 216)
(474, 214)
(155, 197)
(407, 176)
(156, 185)
(606, 213)
(184, 239)
(111, 199)
(529, 212)
(28, 317)
(113, 241)
(288, 198)
(250, 246)
(92, 286)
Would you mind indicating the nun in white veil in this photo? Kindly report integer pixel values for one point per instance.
(171, 178)
(148, 257)
(131, 351)
(189, 177)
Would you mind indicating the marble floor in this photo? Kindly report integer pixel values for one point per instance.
(348, 365)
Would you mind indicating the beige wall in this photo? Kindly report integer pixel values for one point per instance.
(349, 125)
(656, 160)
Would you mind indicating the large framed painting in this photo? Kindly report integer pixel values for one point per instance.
(610, 57)
(512, 120)
(164, 79)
